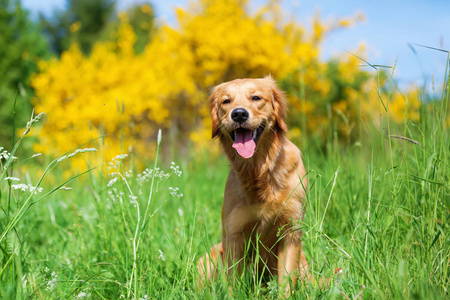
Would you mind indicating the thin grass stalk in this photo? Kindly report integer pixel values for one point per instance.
(329, 198)
(303, 99)
(13, 135)
(444, 106)
(139, 229)
(47, 170)
(387, 119)
(370, 200)
(152, 184)
(135, 242)
(380, 102)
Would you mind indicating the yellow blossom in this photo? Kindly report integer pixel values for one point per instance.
(75, 26)
(126, 97)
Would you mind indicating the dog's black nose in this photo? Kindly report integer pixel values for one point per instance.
(239, 115)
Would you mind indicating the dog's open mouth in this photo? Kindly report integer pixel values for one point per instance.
(244, 140)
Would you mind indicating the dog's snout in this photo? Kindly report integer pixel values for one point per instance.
(239, 115)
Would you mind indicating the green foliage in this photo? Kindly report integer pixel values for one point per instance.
(83, 22)
(21, 46)
(86, 22)
(142, 19)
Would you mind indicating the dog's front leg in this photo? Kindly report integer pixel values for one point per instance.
(233, 255)
(292, 263)
(207, 265)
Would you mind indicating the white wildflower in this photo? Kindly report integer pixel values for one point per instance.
(145, 176)
(120, 157)
(161, 255)
(174, 192)
(82, 295)
(36, 155)
(133, 200)
(5, 155)
(112, 182)
(27, 187)
(176, 169)
(52, 282)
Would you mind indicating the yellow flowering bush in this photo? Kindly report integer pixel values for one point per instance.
(118, 93)
(405, 106)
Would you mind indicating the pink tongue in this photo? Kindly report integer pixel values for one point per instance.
(243, 143)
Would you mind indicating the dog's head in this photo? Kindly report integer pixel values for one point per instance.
(244, 110)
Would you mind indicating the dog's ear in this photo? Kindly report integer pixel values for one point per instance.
(214, 113)
(279, 104)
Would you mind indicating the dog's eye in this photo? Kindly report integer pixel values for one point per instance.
(256, 98)
(226, 101)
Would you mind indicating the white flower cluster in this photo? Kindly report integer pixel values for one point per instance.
(115, 195)
(133, 200)
(174, 192)
(115, 162)
(116, 174)
(120, 157)
(26, 187)
(52, 282)
(161, 255)
(148, 174)
(12, 178)
(112, 181)
(84, 294)
(5, 154)
(176, 169)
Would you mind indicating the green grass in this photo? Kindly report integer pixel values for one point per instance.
(377, 208)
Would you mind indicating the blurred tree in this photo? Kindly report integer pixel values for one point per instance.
(88, 21)
(83, 22)
(21, 46)
(141, 17)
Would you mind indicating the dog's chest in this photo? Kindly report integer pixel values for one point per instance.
(256, 218)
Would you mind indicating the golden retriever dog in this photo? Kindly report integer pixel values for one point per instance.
(265, 191)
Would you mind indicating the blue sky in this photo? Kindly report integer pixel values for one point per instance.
(389, 27)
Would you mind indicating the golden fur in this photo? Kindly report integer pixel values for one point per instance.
(264, 194)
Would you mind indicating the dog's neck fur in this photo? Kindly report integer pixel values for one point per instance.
(258, 175)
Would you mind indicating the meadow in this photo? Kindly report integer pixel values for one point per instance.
(113, 189)
(378, 208)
